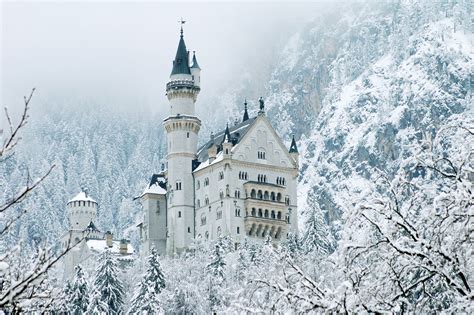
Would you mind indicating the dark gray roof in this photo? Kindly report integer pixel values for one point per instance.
(181, 61)
(246, 114)
(195, 62)
(236, 134)
(92, 227)
(293, 147)
(158, 179)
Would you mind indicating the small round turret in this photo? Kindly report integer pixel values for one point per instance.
(82, 210)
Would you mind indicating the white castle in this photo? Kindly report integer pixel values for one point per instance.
(241, 183)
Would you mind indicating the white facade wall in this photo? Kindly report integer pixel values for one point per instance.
(81, 213)
(154, 225)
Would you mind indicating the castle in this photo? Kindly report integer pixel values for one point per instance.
(85, 241)
(242, 182)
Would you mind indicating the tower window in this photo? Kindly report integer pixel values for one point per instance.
(189, 229)
(187, 134)
(178, 185)
(179, 214)
(238, 230)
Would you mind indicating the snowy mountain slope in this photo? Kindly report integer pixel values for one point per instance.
(378, 118)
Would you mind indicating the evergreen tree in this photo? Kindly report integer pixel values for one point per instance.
(146, 297)
(316, 235)
(217, 265)
(79, 293)
(108, 286)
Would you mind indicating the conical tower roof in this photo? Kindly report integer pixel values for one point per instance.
(180, 62)
(293, 147)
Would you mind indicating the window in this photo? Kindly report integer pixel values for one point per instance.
(219, 231)
(219, 214)
(198, 203)
(287, 200)
(179, 214)
(221, 175)
(189, 229)
(207, 235)
(187, 134)
(206, 200)
(281, 181)
(262, 178)
(221, 194)
(226, 151)
(237, 212)
(157, 207)
(243, 175)
(178, 185)
(261, 154)
(206, 181)
(238, 230)
(198, 184)
(203, 219)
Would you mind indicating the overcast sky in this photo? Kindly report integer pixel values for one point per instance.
(121, 52)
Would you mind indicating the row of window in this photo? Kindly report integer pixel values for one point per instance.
(82, 203)
(268, 214)
(219, 232)
(261, 155)
(218, 215)
(261, 178)
(254, 194)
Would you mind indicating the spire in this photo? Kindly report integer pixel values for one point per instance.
(226, 135)
(195, 62)
(293, 147)
(262, 104)
(180, 63)
(246, 114)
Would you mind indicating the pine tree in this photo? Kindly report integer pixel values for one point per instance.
(79, 293)
(217, 265)
(316, 235)
(146, 297)
(108, 286)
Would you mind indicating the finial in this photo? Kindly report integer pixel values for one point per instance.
(246, 114)
(245, 103)
(181, 22)
(262, 104)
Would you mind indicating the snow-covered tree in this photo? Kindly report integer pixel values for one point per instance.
(108, 285)
(316, 237)
(79, 295)
(146, 297)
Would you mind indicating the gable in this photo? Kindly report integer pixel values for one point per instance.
(262, 138)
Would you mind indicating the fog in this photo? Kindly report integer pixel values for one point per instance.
(120, 53)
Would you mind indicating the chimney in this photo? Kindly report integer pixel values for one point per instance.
(108, 239)
(123, 247)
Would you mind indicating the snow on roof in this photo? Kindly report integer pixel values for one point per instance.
(101, 245)
(219, 157)
(154, 189)
(82, 196)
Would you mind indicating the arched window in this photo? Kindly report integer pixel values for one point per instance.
(266, 213)
(273, 214)
(207, 235)
(260, 214)
(259, 194)
(178, 185)
(261, 154)
(253, 194)
(206, 200)
(279, 197)
(287, 200)
(203, 219)
(221, 175)
(254, 212)
(279, 215)
(272, 196)
(179, 214)
(266, 195)
(237, 212)
(221, 194)
(238, 230)
(219, 231)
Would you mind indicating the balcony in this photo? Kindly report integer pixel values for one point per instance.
(178, 84)
(261, 227)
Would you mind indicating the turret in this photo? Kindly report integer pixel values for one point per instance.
(294, 150)
(246, 114)
(82, 210)
(227, 143)
(196, 71)
(212, 150)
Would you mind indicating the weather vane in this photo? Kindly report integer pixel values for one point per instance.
(181, 21)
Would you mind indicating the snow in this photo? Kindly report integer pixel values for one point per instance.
(101, 245)
(219, 157)
(82, 197)
(154, 189)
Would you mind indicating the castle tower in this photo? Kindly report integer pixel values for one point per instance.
(82, 210)
(182, 128)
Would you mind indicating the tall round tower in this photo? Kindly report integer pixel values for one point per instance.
(182, 128)
(82, 210)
